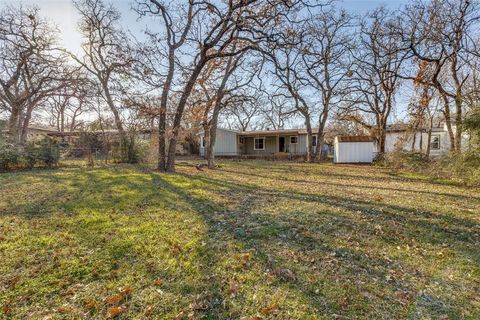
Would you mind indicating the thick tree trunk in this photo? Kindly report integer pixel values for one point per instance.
(177, 121)
(382, 137)
(162, 122)
(429, 136)
(310, 157)
(124, 143)
(321, 134)
(25, 124)
(213, 136)
(448, 121)
(13, 123)
(414, 139)
(458, 123)
(161, 140)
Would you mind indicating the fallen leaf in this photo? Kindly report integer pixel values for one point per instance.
(233, 289)
(6, 310)
(115, 311)
(271, 309)
(126, 291)
(91, 304)
(114, 299)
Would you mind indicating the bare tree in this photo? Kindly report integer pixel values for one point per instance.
(215, 29)
(31, 67)
(160, 56)
(275, 111)
(439, 33)
(107, 57)
(69, 103)
(378, 60)
(289, 70)
(327, 61)
(240, 115)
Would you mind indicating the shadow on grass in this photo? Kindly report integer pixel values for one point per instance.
(325, 268)
(363, 186)
(426, 228)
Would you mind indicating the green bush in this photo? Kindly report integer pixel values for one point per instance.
(29, 156)
(48, 152)
(9, 155)
(45, 152)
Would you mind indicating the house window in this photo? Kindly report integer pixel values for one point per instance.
(435, 142)
(259, 144)
(203, 141)
(293, 140)
(314, 141)
(242, 140)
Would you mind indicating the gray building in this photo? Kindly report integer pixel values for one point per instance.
(260, 143)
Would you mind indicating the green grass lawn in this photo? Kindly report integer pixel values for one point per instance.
(251, 240)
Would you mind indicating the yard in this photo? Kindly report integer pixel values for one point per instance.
(251, 240)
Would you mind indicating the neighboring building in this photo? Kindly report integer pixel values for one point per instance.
(260, 143)
(353, 149)
(35, 133)
(401, 137)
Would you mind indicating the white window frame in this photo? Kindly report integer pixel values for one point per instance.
(314, 141)
(296, 139)
(202, 143)
(255, 144)
(431, 142)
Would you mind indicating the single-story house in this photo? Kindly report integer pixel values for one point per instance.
(294, 142)
(260, 143)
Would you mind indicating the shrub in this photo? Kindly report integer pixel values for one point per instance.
(44, 152)
(29, 156)
(464, 166)
(406, 160)
(48, 152)
(9, 155)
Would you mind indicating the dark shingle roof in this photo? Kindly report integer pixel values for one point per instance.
(354, 139)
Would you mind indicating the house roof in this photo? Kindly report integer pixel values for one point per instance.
(402, 127)
(276, 132)
(354, 138)
(36, 128)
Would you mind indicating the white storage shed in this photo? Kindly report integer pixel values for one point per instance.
(353, 149)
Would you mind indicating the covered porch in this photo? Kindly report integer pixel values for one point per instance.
(269, 143)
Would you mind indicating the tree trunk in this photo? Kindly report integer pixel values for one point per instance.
(310, 158)
(170, 167)
(458, 123)
(429, 136)
(448, 121)
(414, 139)
(382, 136)
(162, 122)
(13, 123)
(321, 134)
(213, 132)
(124, 144)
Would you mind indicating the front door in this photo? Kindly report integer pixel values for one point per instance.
(281, 144)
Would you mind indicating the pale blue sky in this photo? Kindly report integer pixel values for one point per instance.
(63, 14)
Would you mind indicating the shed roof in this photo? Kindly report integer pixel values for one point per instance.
(354, 139)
